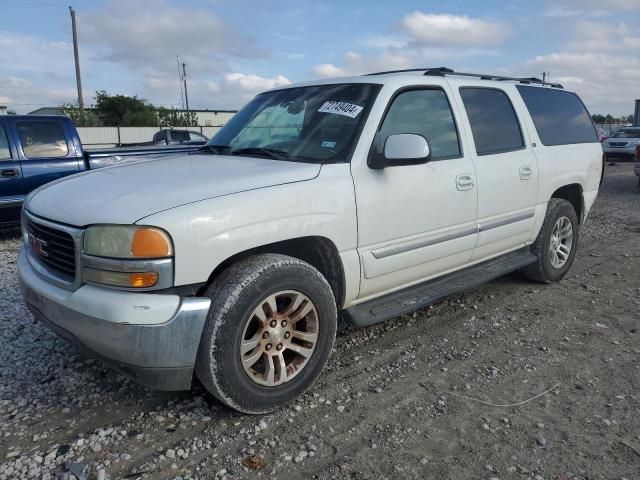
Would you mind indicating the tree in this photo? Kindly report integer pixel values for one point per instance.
(87, 118)
(174, 118)
(11, 112)
(125, 111)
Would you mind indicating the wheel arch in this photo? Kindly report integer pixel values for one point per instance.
(320, 252)
(573, 193)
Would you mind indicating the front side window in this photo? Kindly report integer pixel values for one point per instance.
(423, 112)
(5, 152)
(493, 120)
(42, 139)
(560, 117)
(316, 124)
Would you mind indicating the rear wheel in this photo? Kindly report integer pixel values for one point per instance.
(269, 333)
(556, 244)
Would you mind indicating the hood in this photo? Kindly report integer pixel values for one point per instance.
(126, 193)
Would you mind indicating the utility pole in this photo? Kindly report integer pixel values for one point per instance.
(77, 59)
(544, 78)
(184, 78)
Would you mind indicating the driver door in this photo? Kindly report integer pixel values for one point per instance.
(416, 221)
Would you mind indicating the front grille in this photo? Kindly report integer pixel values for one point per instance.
(54, 248)
(617, 144)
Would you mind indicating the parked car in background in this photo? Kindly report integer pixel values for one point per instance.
(183, 137)
(37, 149)
(622, 144)
(373, 195)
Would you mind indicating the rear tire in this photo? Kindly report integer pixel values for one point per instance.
(269, 332)
(556, 244)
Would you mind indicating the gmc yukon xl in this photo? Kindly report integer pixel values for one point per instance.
(368, 197)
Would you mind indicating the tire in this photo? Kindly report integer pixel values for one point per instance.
(240, 296)
(544, 270)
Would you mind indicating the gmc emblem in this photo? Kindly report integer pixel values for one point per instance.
(37, 245)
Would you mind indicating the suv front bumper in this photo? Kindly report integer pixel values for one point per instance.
(152, 338)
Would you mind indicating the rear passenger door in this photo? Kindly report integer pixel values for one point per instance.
(46, 151)
(506, 169)
(11, 187)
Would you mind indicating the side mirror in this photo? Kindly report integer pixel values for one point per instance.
(401, 149)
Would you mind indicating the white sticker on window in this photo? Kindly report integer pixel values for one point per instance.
(341, 108)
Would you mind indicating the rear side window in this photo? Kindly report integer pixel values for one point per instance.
(42, 139)
(5, 153)
(424, 112)
(560, 117)
(493, 120)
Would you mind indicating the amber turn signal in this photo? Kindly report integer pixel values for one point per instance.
(149, 243)
(143, 280)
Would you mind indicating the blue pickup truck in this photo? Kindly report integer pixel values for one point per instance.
(35, 150)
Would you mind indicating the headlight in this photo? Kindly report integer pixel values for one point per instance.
(124, 241)
(127, 257)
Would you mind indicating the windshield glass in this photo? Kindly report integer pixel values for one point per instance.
(627, 133)
(317, 124)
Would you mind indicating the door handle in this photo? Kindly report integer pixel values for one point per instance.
(526, 172)
(465, 182)
(9, 172)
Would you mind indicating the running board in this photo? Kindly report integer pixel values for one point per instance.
(424, 294)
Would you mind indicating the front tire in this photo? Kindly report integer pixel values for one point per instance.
(269, 333)
(556, 244)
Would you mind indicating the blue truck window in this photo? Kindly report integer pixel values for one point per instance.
(5, 153)
(42, 139)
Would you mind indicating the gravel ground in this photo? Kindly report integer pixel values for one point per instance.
(421, 396)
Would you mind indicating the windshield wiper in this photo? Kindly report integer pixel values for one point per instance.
(269, 152)
(216, 149)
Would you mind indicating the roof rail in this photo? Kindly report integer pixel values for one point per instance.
(442, 71)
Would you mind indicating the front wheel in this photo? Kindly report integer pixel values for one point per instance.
(556, 244)
(269, 332)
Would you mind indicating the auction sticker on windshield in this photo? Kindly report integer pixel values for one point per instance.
(341, 108)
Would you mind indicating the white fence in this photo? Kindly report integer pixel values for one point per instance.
(105, 137)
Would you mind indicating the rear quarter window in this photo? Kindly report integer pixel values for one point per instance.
(559, 117)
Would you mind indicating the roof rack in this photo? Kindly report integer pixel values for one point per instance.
(442, 71)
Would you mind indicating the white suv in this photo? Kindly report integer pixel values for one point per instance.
(373, 196)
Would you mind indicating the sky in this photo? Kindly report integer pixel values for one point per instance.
(234, 49)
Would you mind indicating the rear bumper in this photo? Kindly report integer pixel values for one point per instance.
(158, 352)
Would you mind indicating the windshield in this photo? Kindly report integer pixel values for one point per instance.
(317, 124)
(627, 133)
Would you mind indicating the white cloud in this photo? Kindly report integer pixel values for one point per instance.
(152, 33)
(421, 40)
(253, 84)
(450, 30)
(328, 70)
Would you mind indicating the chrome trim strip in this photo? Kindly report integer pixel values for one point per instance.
(384, 252)
(163, 267)
(11, 202)
(501, 222)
